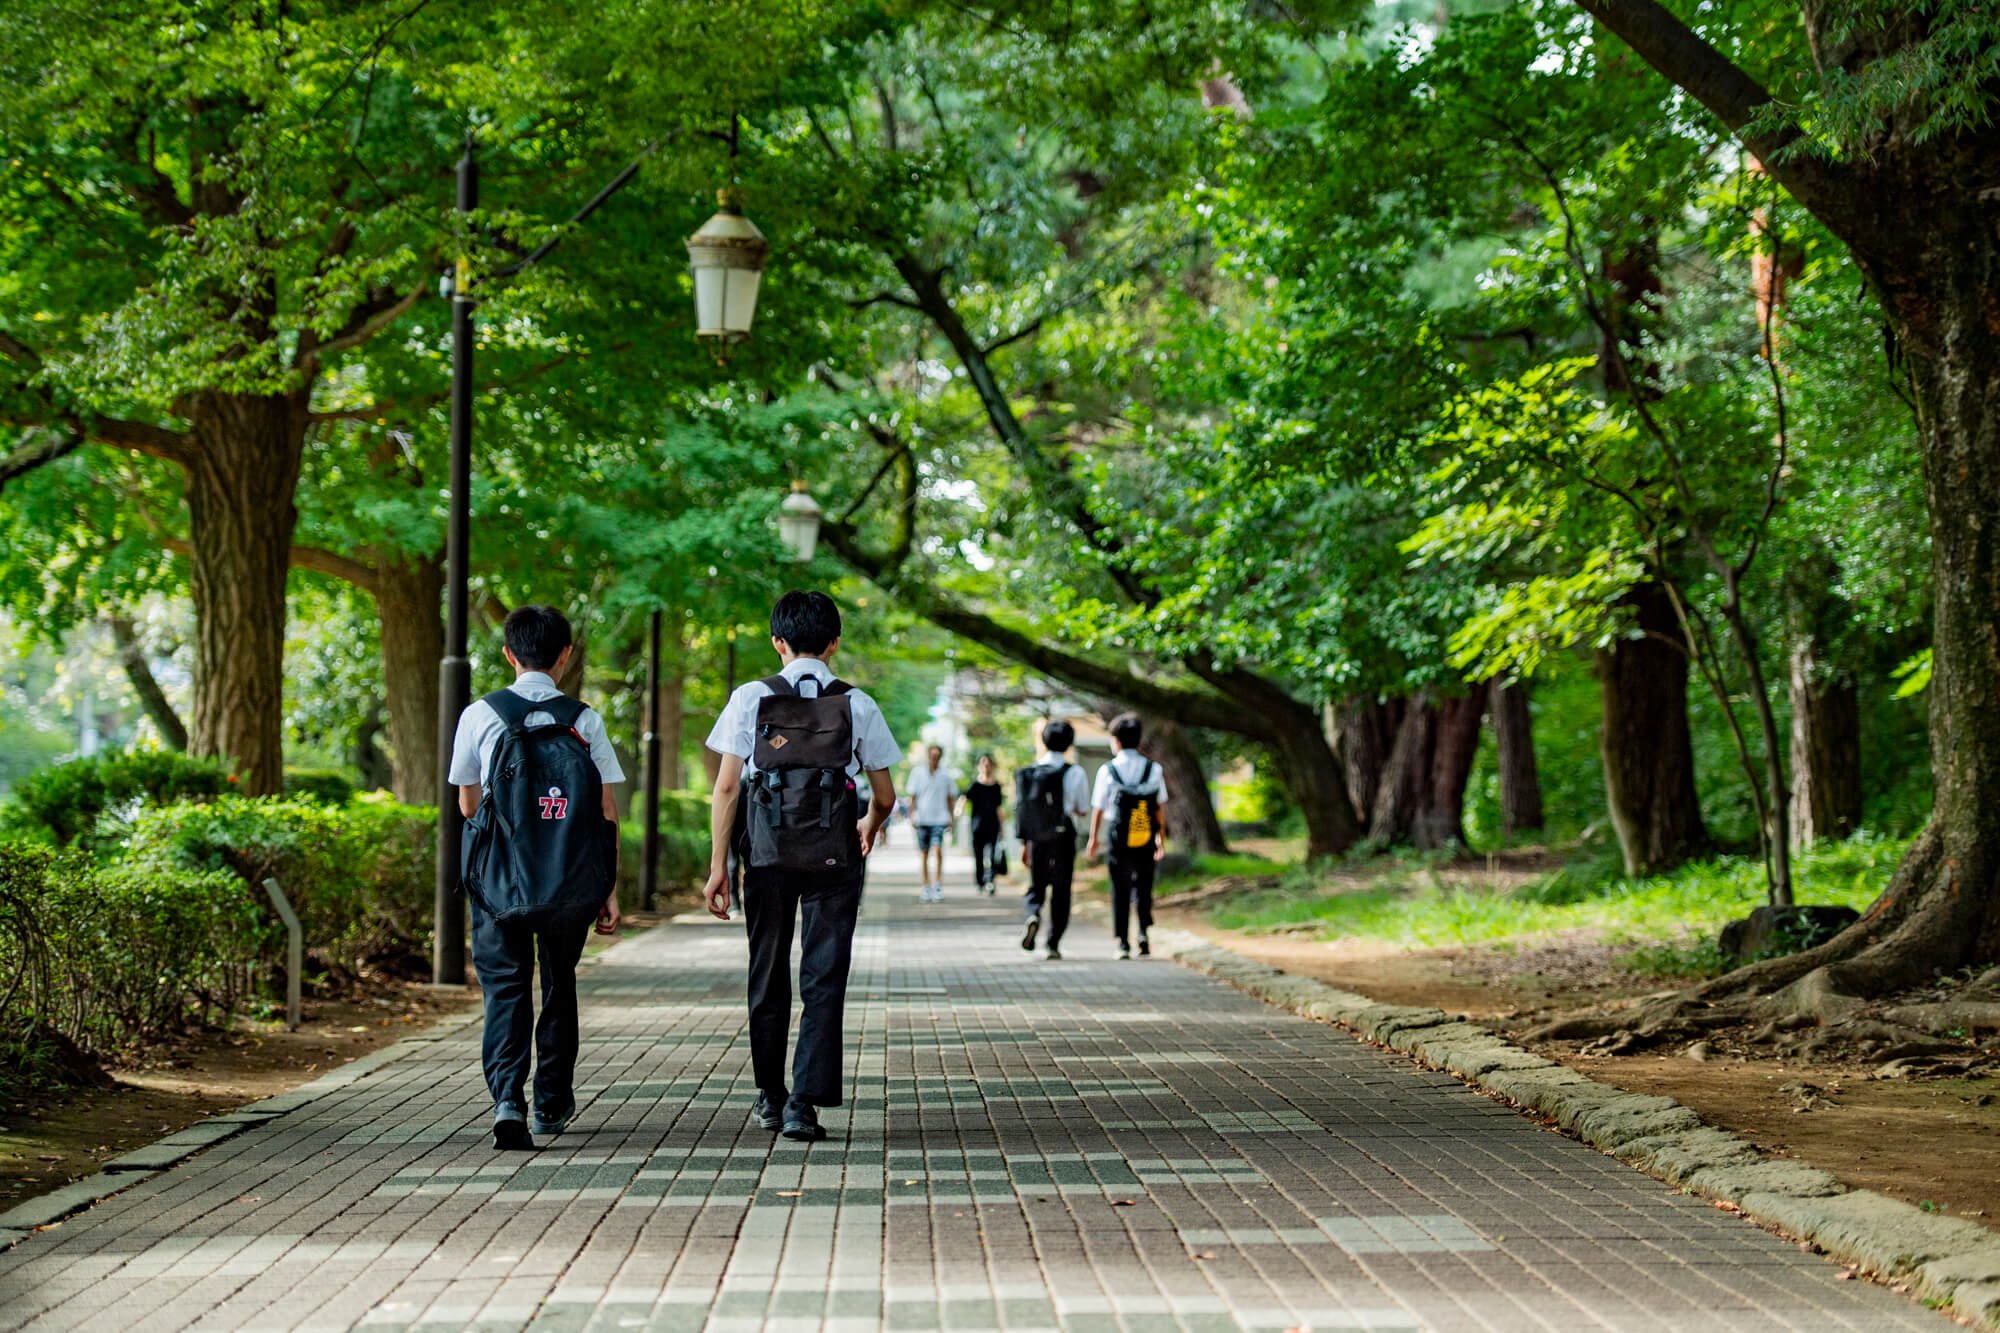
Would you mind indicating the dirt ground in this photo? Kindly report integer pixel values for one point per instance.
(1934, 1141)
(46, 1143)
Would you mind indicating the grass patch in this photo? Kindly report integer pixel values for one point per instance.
(1241, 864)
(1427, 903)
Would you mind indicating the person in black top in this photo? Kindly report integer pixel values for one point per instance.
(982, 798)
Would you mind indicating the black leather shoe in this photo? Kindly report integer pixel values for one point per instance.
(802, 1123)
(770, 1111)
(512, 1136)
(1145, 947)
(1028, 933)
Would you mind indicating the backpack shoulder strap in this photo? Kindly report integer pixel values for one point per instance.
(511, 707)
(779, 685)
(834, 688)
(562, 708)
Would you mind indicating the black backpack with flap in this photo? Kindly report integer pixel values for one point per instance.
(1039, 813)
(539, 847)
(801, 808)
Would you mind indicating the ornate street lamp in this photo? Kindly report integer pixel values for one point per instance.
(727, 257)
(798, 523)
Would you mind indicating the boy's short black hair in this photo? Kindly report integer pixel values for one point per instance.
(536, 635)
(806, 621)
(1128, 730)
(1058, 736)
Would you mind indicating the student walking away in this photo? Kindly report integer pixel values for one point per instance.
(1130, 791)
(792, 746)
(534, 772)
(933, 791)
(1049, 797)
(983, 799)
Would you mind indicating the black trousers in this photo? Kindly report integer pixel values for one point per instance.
(823, 908)
(1051, 867)
(985, 838)
(505, 954)
(1132, 886)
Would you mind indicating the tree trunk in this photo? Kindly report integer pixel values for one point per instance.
(409, 601)
(1368, 732)
(377, 772)
(241, 476)
(139, 672)
(672, 715)
(1305, 762)
(1189, 812)
(1514, 743)
(1826, 749)
(1647, 749)
(1420, 800)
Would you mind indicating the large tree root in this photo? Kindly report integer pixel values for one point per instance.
(1911, 937)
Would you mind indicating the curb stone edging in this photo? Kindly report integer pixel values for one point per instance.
(1949, 1261)
(143, 1163)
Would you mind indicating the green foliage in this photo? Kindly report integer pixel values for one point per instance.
(98, 957)
(66, 802)
(324, 785)
(683, 845)
(1413, 905)
(360, 875)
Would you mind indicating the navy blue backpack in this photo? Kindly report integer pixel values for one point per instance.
(539, 847)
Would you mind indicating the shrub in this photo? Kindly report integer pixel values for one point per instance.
(66, 803)
(683, 846)
(97, 957)
(360, 875)
(328, 786)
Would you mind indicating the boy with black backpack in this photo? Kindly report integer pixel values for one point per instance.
(1048, 796)
(1130, 790)
(534, 772)
(792, 746)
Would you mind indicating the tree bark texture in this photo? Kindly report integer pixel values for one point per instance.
(672, 715)
(139, 672)
(1917, 217)
(1646, 745)
(1189, 812)
(1420, 800)
(1514, 745)
(242, 472)
(409, 600)
(1368, 730)
(1826, 749)
(1305, 763)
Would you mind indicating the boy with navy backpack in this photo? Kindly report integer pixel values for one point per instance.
(1048, 796)
(534, 771)
(792, 746)
(1130, 791)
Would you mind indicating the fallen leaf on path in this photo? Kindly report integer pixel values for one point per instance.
(790, 1194)
(1204, 1255)
(1124, 1203)
(249, 1198)
(1844, 1275)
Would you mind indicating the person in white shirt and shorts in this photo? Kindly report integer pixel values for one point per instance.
(933, 792)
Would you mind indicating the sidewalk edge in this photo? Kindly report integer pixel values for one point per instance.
(1948, 1261)
(143, 1163)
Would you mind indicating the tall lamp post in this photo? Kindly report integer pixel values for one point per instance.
(726, 257)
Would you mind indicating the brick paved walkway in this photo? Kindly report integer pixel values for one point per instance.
(1088, 1145)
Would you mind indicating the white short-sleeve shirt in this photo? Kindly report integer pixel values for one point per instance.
(480, 729)
(1138, 772)
(931, 794)
(1076, 787)
(735, 732)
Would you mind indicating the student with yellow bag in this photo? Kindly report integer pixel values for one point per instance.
(1130, 789)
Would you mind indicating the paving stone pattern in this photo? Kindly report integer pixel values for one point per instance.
(1087, 1145)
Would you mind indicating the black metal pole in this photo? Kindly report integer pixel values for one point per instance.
(649, 868)
(455, 671)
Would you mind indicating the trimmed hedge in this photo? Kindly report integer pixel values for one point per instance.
(66, 804)
(360, 875)
(97, 958)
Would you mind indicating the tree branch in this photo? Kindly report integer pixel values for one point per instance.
(1685, 59)
(31, 456)
(320, 561)
(138, 671)
(381, 310)
(1189, 707)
